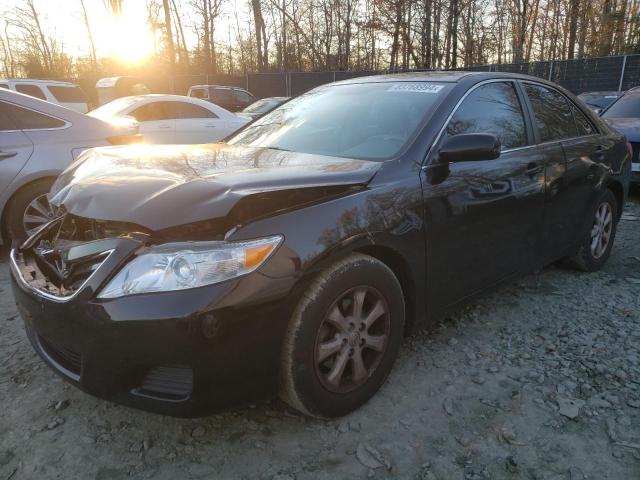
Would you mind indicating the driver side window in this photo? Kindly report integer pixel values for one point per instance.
(491, 108)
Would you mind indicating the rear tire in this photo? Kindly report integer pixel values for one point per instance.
(598, 239)
(17, 227)
(343, 338)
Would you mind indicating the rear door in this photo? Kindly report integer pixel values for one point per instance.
(573, 151)
(483, 221)
(15, 146)
(196, 124)
(156, 122)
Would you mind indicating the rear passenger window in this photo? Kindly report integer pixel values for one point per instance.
(199, 93)
(189, 110)
(491, 108)
(68, 94)
(4, 85)
(582, 122)
(243, 97)
(150, 112)
(6, 124)
(552, 112)
(32, 90)
(26, 119)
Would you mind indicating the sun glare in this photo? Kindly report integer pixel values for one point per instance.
(126, 38)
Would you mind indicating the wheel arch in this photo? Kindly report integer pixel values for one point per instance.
(3, 216)
(618, 192)
(398, 265)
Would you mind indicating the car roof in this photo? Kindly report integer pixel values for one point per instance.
(603, 92)
(38, 81)
(441, 76)
(230, 87)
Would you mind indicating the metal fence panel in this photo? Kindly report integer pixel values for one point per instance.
(304, 81)
(631, 72)
(588, 75)
(263, 85)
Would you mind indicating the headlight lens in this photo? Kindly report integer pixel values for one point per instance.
(178, 266)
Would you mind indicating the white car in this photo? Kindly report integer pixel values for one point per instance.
(38, 140)
(66, 94)
(172, 119)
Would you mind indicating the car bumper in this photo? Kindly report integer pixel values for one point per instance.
(186, 353)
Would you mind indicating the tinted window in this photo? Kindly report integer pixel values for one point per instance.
(199, 93)
(243, 97)
(68, 94)
(491, 108)
(552, 112)
(222, 96)
(151, 112)
(582, 122)
(28, 119)
(367, 120)
(33, 90)
(626, 106)
(188, 110)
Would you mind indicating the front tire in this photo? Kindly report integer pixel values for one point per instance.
(598, 239)
(343, 338)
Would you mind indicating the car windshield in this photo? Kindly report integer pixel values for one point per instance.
(365, 121)
(626, 106)
(598, 100)
(112, 108)
(260, 105)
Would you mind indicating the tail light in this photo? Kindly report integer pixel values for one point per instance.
(125, 139)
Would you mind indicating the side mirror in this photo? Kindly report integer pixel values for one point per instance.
(468, 147)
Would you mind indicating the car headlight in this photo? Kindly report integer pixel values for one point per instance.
(179, 266)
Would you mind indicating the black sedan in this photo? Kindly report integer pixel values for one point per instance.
(295, 257)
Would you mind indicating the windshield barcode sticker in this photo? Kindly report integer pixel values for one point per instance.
(415, 87)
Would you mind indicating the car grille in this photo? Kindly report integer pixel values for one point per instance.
(53, 277)
(635, 146)
(68, 359)
(167, 382)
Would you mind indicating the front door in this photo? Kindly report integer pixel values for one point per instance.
(483, 220)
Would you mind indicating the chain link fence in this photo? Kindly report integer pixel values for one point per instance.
(581, 75)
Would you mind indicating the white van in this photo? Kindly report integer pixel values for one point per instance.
(66, 94)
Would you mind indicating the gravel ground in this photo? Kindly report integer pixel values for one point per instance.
(539, 380)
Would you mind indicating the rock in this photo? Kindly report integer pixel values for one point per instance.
(633, 403)
(479, 380)
(370, 457)
(343, 427)
(493, 369)
(570, 407)
(452, 342)
(511, 465)
(447, 404)
(198, 432)
(5, 457)
(55, 423)
(61, 405)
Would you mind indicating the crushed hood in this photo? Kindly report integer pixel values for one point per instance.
(629, 127)
(161, 186)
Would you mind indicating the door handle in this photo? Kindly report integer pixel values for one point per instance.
(7, 154)
(164, 126)
(533, 169)
(210, 125)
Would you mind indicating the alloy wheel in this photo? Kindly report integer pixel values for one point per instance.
(601, 230)
(352, 339)
(37, 213)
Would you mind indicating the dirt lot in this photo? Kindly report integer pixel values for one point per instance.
(540, 380)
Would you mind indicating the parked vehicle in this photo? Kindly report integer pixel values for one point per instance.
(38, 140)
(599, 101)
(624, 116)
(233, 99)
(66, 94)
(109, 89)
(262, 107)
(296, 256)
(172, 119)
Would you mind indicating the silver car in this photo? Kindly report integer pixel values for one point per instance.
(38, 140)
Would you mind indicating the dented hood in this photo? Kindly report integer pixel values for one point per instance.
(161, 186)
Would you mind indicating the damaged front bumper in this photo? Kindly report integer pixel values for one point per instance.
(182, 353)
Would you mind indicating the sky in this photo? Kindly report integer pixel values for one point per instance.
(128, 38)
